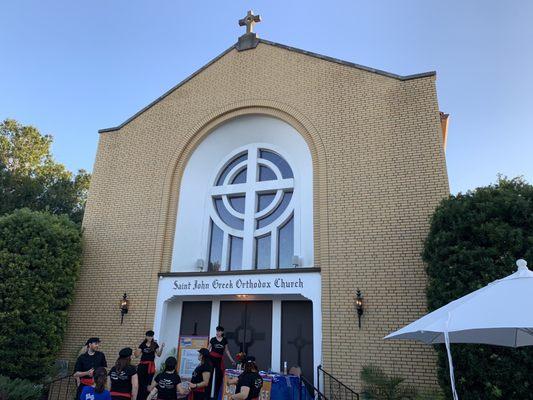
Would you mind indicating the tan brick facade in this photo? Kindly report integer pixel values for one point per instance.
(379, 172)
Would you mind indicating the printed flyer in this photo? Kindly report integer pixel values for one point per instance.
(188, 347)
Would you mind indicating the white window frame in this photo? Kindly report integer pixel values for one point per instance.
(251, 188)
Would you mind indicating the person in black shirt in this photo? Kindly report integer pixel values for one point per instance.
(201, 377)
(122, 378)
(166, 385)
(87, 363)
(249, 383)
(218, 345)
(148, 350)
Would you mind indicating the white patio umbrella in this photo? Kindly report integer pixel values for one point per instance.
(498, 314)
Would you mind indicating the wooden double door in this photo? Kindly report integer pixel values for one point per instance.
(248, 329)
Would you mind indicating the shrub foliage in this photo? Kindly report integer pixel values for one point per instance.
(39, 260)
(19, 389)
(474, 239)
(379, 386)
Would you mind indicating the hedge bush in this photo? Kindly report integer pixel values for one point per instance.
(39, 260)
(19, 389)
(474, 239)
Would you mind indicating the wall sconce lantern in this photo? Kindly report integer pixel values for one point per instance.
(359, 305)
(124, 306)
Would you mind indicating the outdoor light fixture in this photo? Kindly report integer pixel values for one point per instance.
(124, 306)
(200, 264)
(359, 305)
(295, 261)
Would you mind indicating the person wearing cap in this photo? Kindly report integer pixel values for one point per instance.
(167, 384)
(123, 380)
(249, 383)
(148, 350)
(200, 384)
(87, 363)
(218, 345)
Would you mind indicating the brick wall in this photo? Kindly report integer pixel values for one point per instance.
(379, 171)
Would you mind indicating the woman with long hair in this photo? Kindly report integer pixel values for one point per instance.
(249, 383)
(122, 378)
(200, 384)
(218, 346)
(166, 385)
(148, 350)
(98, 391)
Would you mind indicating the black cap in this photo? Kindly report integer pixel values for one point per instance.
(125, 352)
(203, 351)
(150, 333)
(250, 359)
(92, 340)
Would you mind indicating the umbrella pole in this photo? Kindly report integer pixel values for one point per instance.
(450, 364)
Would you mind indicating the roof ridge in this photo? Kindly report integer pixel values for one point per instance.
(282, 46)
(348, 63)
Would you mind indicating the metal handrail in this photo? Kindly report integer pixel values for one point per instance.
(60, 388)
(305, 387)
(337, 389)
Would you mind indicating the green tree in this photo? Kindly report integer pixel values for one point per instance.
(29, 176)
(474, 239)
(40, 256)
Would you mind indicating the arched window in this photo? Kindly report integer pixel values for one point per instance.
(252, 211)
(246, 199)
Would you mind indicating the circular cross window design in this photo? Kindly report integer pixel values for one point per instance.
(251, 209)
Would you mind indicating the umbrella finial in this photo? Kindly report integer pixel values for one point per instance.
(521, 264)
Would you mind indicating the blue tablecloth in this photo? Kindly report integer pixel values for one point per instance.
(287, 387)
(284, 387)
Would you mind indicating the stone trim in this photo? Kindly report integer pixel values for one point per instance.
(299, 270)
(248, 41)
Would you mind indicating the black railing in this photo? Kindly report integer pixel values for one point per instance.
(308, 391)
(63, 388)
(333, 389)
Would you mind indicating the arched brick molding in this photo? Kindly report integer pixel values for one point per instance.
(170, 195)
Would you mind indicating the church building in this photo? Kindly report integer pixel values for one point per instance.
(264, 193)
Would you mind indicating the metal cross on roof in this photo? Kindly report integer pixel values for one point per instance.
(249, 21)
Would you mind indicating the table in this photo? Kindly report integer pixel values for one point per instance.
(275, 387)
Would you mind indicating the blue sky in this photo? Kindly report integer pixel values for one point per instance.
(71, 68)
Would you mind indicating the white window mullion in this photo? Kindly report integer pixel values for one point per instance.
(249, 210)
(239, 188)
(268, 186)
(224, 262)
(274, 249)
(296, 232)
(251, 189)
